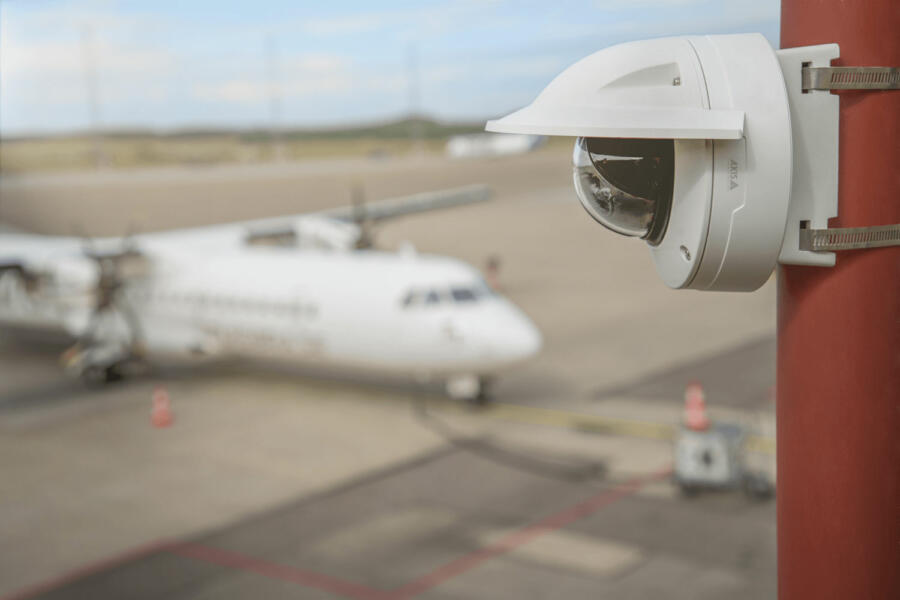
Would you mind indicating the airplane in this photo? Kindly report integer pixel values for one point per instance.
(308, 289)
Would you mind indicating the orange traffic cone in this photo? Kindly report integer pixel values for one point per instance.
(695, 407)
(161, 414)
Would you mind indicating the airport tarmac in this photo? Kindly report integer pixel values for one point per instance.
(273, 482)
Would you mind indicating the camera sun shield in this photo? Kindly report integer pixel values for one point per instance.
(683, 142)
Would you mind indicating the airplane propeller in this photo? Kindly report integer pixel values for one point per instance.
(115, 268)
(361, 218)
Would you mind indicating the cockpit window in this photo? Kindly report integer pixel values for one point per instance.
(482, 288)
(462, 294)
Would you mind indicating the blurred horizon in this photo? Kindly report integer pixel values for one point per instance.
(165, 68)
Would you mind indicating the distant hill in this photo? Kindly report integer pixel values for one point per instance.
(387, 130)
(202, 146)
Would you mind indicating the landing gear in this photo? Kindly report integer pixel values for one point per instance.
(483, 397)
(113, 373)
(96, 365)
(472, 388)
(98, 375)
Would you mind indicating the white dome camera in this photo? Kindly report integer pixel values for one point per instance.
(687, 143)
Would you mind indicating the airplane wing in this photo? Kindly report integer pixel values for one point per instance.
(341, 228)
(407, 205)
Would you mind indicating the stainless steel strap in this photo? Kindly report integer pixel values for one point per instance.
(850, 78)
(849, 238)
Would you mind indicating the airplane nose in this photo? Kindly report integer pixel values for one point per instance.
(519, 339)
(530, 341)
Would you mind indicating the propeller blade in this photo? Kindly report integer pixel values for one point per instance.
(362, 219)
(135, 332)
(102, 327)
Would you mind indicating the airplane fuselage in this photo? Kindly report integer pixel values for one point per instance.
(344, 309)
(370, 310)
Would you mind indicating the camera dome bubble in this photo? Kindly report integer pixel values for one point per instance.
(626, 184)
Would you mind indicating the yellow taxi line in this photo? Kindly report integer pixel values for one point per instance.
(599, 424)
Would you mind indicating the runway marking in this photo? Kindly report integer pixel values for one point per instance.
(349, 589)
(521, 413)
(87, 570)
(234, 560)
(573, 551)
(436, 577)
(523, 536)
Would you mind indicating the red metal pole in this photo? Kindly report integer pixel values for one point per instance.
(838, 389)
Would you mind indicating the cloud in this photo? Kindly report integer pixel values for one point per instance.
(476, 57)
(101, 15)
(53, 73)
(497, 69)
(257, 91)
(60, 59)
(302, 76)
(46, 56)
(632, 4)
(344, 25)
(421, 22)
(316, 62)
(700, 13)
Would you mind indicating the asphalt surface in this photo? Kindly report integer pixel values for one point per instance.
(423, 529)
(481, 513)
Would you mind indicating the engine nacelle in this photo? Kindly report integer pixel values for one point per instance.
(309, 233)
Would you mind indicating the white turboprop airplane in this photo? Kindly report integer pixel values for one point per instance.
(302, 288)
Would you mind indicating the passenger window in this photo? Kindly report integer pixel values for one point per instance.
(411, 299)
(432, 297)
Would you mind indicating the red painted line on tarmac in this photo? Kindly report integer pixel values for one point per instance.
(436, 577)
(233, 560)
(87, 570)
(348, 589)
(523, 536)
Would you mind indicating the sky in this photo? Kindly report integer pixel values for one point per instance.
(173, 64)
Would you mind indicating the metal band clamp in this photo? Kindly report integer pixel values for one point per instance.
(849, 238)
(850, 78)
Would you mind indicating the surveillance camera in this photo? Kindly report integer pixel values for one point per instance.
(687, 143)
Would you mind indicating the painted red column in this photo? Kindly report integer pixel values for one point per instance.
(838, 389)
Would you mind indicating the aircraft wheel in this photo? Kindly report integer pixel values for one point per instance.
(96, 375)
(463, 387)
(112, 373)
(688, 490)
(93, 375)
(483, 397)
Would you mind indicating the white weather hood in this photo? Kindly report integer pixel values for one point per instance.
(648, 89)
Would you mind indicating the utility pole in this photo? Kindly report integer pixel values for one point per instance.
(415, 115)
(838, 389)
(273, 76)
(92, 93)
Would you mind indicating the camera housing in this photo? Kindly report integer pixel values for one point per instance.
(687, 142)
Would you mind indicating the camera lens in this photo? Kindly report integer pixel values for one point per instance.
(626, 184)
